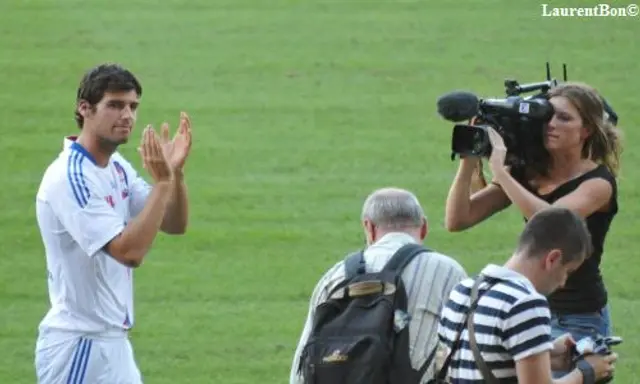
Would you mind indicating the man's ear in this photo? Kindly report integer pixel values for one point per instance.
(553, 259)
(370, 231)
(84, 108)
(424, 229)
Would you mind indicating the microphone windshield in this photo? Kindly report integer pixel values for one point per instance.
(458, 106)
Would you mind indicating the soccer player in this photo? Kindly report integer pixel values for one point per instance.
(98, 219)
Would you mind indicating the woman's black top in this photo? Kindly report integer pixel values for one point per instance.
(584, 291)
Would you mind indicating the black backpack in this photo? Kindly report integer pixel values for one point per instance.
(360, 334)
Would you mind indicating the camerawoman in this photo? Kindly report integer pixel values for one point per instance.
(559, 147)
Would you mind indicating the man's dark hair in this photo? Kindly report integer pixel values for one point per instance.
(101, 79)
(556, 228)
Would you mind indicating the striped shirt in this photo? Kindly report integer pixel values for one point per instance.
(512, 322)
(428, 279)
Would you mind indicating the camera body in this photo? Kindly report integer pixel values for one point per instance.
(599, 345)
(518, 118)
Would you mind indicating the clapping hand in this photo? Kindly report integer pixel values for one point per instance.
(177, 149)
(153, 158)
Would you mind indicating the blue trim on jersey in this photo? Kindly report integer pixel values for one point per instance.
(80, 361)
(122, 172)
(76, 178)
(77, 147)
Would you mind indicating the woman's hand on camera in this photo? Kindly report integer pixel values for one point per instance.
(498, 152)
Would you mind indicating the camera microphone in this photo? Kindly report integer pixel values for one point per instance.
(461, 106)
(458, 106)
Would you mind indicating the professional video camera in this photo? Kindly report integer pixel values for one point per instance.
(518, 119)
(599, 346)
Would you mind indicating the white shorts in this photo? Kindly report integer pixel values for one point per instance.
(63, 358)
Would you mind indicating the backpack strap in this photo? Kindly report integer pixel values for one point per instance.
(403, 256)
(354, 264)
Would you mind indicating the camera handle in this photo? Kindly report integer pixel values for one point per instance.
(478, 179)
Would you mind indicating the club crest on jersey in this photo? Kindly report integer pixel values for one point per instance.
(124, 181)
(109, 200)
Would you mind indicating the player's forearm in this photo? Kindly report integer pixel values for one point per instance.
(136, 238)
(176, 216)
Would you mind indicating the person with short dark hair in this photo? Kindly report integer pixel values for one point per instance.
(512, 321)
(98, 219)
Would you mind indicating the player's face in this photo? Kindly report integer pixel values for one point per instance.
(114, 116)
(565, 130)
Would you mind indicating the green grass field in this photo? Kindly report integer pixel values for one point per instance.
(300, 109)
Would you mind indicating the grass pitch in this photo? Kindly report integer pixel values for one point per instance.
(300, 109)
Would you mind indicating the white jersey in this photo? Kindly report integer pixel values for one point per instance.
(80, 207)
